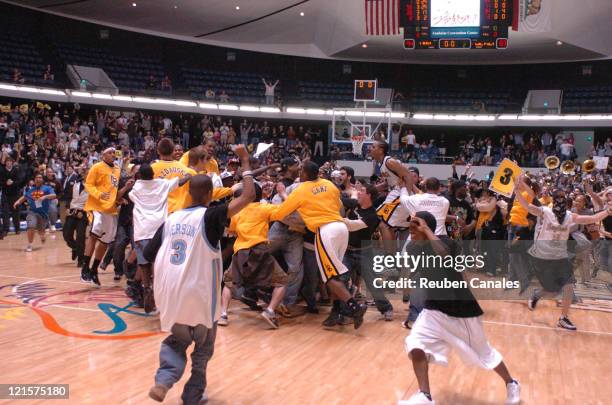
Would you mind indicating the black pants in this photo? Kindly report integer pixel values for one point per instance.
(8, 211)
(79, 226)
(122, 240)
(360, 261)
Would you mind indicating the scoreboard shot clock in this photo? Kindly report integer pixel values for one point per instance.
(365, 90)
(456, 24)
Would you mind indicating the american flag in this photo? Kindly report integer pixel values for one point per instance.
(382, 17)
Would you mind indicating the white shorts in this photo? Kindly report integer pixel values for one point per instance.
(104, 227)
(331, 241)
(392, 212)
(436, 334)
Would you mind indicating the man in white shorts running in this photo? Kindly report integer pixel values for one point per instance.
(451, 319)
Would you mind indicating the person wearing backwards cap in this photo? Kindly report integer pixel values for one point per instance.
(101, 185)
(452, 318)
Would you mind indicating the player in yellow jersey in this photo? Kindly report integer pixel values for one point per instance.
(318, 203)
(211, 165)
(168, 168)
(101, 185)
(253, 266)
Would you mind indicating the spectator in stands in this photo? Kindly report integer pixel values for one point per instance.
(210, 94)
(166, 84)
(409, 141)
(567, 150)
(269, 91)
(48, 75)
(18, 77)
(152, 83)
(547, 140)
(223, 97)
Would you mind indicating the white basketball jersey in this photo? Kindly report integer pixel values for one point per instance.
(550, 237)
(188, 272)
(392, 178)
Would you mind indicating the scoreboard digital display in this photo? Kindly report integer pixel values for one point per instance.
(456, 24)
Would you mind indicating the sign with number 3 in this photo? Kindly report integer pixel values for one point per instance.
(503, 181)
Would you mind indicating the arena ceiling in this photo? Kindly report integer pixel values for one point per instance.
(334, 29)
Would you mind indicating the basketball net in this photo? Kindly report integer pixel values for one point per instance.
(357, 141)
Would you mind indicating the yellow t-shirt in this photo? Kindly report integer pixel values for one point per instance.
(102, 178)
(518, 214)
(217, 193)
(251, 225)
(211, 166)
(546, 201)
(318, 203)
(169, 169)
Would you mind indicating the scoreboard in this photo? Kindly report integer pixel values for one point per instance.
(456, 24)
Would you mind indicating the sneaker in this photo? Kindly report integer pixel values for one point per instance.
(103, 266)
(388, 315)
(223, 321)
(52, 229)
(95, 279)
(117, 277)
(74, 255)
(332, 320)
(270, 317)
(358, 315)
(407, 324)
(28, 248)
(149, 300)
(533, 301)
(158, 392)
(513, 393)
(565, 323)
(312, 310)
(419, 398)
(204, 399)
(85, 277)
(250, 301)
(291, 310)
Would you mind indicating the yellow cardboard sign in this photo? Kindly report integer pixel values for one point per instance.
(503, 181)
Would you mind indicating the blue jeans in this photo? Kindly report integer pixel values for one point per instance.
(291, 245)
(173, 358)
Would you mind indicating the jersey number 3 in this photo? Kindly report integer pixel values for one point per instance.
(178, 257)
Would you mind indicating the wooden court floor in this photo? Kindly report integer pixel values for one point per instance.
(54, 329)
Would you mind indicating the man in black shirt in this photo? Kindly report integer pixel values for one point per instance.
(451, 319)
(362, 223)
(11, 185)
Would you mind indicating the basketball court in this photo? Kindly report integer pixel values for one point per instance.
(65, 332)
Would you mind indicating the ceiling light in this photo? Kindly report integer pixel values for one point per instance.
(237, 7)
(364, 45)
(559, 43)
(175, 6)
(133, 4)
(302, 14)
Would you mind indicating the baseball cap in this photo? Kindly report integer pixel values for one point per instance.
(226, 175)
(110, 149)
(414, 169)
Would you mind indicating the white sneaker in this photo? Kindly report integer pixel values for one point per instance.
(223, 320)
(417, 399)
(513, 393)
(28, 248)
(52, 229)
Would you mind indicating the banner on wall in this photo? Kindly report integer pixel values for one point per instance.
(533, 15)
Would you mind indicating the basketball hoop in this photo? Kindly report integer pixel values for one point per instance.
(357, 141)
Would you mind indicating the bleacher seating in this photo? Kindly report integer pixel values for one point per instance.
(240, 87)
(462, 101)
(130, 74)
(327, 94)
(17, 51)
(596, 99)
